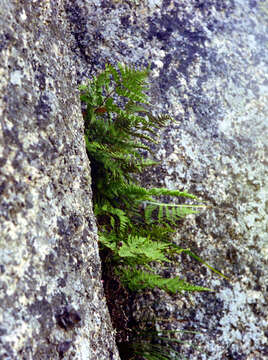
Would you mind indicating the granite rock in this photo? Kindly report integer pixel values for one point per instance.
(209, 63)
(52, 304)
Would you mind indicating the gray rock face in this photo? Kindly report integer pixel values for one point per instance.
(209, 70)
(51, 297)
(209, 64)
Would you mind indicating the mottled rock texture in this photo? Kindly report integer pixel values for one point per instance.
(209, 61)
(210, 71)
(51, 297)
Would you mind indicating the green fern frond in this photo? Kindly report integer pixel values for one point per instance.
(148, 213)
(132, 83)
(168, 192)
(162, 212)
(159, 120)
(142, 250)
(193, 255)
(133, 108)
(140, 280)
(109, 69)
(115, 127)
(144, 137)
(117, 216)
(109, 242)
(159, 232)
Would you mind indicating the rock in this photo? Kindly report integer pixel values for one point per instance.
(51, 296)
(209, 70)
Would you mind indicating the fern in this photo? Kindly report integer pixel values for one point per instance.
(168, 212)
(114, 127)
(133, 223)
(140, 280)
(109, 242)
(142, 250)
(117, 216)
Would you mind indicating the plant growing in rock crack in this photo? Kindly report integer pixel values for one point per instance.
(133, 223)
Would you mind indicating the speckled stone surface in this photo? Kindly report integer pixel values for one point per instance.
(51, 297)
(210, 71)
(209, 64)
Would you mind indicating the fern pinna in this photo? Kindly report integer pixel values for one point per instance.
(132, 223)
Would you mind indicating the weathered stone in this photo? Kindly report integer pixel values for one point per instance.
(51, 297)
(209, 70)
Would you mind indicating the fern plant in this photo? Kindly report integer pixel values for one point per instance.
(135, 226)
(132, 222)
(114, 129)
(141, 280)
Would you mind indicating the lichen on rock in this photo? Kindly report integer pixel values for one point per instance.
(52, 304)
(209, 71)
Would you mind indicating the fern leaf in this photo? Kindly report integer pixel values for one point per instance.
(111, 70)
(173, 212)
(143, 250)
(135, 227)
(108, 241)
(148, 213)
(160, 120)
(168, 192)
(140, 280)
(116, 214)
(160, 214)
(189, 252)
